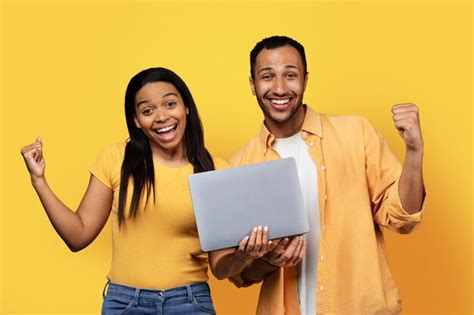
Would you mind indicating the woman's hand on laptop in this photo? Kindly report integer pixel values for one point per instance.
(229, 262)
(255, 245)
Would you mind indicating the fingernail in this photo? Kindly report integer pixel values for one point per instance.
(254, 229)
(259, 227)
(265, 228)
(270, 242)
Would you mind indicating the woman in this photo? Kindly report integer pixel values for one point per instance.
(156, 266)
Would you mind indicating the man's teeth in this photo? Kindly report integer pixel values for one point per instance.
(280, 102)
(166, 129)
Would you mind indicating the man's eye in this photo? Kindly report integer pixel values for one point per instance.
(292, 75)
(267, 77)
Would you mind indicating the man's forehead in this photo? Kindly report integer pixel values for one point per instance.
(280, 57)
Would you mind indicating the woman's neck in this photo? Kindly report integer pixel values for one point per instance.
(171, 158)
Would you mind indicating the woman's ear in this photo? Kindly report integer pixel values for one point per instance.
(137, 123)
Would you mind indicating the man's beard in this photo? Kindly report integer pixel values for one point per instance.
(289, 114)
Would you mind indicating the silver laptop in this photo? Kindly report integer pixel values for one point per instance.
(228, 203)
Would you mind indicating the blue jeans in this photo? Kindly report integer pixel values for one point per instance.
(189, 299)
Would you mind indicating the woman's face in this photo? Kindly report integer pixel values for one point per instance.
(161, 114)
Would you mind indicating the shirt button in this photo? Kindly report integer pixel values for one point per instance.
(304, 133)
(324, 226)
(321, 257)
(265, 151)
(321, 288)
(323, 167)
(325, 197)
(311, 144)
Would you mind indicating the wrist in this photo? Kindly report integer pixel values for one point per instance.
(38, 181)
(416, 149)
(269, 263)
(414, 155)
(242, 258)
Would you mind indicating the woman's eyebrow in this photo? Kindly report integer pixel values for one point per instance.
(169, 94)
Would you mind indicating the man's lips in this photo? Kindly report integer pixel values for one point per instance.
(279, 103)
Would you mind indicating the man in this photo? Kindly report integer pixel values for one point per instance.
(352, 186)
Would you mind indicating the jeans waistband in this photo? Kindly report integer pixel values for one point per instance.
(186, 290)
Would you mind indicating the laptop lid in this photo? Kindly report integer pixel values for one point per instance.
(228, 203)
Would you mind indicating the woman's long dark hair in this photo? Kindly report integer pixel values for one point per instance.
(138, 160)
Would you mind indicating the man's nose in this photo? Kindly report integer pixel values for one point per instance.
(280, 87)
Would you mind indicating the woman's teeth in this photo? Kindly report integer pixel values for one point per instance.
(166, 129)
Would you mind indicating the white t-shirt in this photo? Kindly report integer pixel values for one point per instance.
(296, 147)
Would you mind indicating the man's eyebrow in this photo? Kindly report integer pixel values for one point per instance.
(270, 68)
(264, 69)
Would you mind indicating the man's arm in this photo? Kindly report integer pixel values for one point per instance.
(410, 187)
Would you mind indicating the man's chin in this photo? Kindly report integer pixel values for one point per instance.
(279, 117)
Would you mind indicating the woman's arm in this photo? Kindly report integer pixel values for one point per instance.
(77, 229)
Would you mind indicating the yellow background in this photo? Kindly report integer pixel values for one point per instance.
(65, 66)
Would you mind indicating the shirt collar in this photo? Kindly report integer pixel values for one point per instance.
(311, 124)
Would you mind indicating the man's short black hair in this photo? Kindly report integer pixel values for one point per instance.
(272, 43)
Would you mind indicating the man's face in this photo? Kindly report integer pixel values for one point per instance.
(279, 84)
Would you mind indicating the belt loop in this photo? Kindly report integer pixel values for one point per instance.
(136, 296)
(190, 293)
(105, 287)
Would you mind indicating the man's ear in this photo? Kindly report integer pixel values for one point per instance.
(137, 123)
(252, 85)
(305, 80)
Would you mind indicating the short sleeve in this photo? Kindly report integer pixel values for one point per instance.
(107, 165)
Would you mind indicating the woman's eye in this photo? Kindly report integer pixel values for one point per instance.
(147, 111)
(170, 104)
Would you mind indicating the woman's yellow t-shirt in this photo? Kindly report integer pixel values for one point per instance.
(159, 247)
